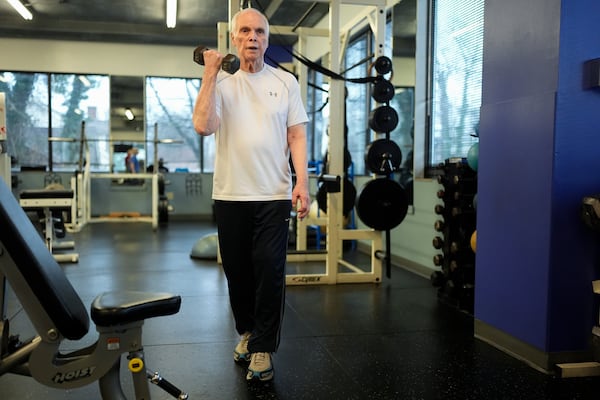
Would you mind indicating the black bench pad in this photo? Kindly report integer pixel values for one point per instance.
(116, 308)
(46, 194)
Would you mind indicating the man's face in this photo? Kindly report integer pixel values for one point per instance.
(251, 39)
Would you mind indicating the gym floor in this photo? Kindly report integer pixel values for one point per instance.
(393, 340)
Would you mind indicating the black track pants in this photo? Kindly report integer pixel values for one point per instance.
(253, 238)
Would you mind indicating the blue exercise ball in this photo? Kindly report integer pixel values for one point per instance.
(206, 247)
(473, 156)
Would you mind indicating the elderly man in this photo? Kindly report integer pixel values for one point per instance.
(258, 118)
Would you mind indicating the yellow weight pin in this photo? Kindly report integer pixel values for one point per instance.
(136, 364)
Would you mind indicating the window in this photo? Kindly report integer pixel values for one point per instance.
(317, 100)
(456, 77)
(76, 99)
(27, 122)
(357, 101)
(61, 106)
(169, 108)
(403, 102)
(41, 105)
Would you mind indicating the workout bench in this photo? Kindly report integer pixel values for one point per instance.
(51, 203)
(57, 313)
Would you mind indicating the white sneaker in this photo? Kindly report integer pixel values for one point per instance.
(260, 367)
(240, 353)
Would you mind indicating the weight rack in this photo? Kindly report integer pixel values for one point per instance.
(456, 277)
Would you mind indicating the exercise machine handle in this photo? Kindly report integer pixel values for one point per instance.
(165, 385)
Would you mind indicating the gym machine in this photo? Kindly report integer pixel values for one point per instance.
(57, 314)
(380, 195)
(81, 184)
(51, 204)
(590, 215)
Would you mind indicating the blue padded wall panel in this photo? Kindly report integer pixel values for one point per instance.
(513, 227)
(520, 48)
(539, 146)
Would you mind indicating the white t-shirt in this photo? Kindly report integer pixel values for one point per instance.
(252, 153)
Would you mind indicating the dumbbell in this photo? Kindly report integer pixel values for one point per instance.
(229, 64)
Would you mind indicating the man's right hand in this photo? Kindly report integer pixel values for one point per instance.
(212, 60)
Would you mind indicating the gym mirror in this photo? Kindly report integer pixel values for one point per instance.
(126, 118)
(404, 45)
(127, 107)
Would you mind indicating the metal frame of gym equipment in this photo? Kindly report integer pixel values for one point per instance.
(81, 183)
(336, 234)
(152, 218)
(57, 314)
(47, 201)
(376, 17)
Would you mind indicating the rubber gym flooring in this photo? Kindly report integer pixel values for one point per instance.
(393, 340)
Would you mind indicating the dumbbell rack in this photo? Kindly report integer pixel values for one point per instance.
(457, 222)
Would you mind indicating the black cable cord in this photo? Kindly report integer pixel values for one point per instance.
(308, 83)
(317, 67)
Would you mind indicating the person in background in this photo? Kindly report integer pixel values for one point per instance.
(161, 167)
(132, 164)
(258, 120)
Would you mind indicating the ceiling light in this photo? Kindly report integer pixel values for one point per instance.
(129, 114)
(17, 5)
(171, 13)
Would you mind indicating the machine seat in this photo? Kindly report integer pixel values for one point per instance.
(117, 308)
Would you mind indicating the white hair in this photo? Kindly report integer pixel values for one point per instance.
(234, 19)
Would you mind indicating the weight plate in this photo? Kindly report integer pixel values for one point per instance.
(382, 204)
(163, 211)
(383, 119)
(348, 200)
(382, 91)
(383, 157)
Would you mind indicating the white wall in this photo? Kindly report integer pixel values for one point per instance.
(97, 58)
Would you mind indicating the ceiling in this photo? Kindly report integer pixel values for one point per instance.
(143, 21)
